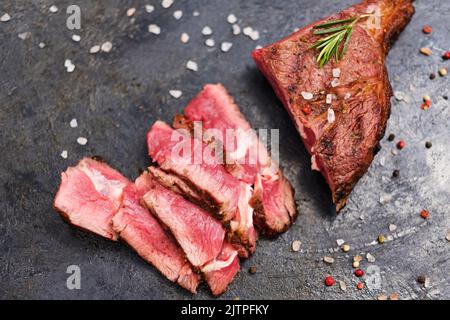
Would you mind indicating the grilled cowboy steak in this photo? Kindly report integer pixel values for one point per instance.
(246, 157)
(344, 149)
(90, 195)
(136, 226)
(221, 193)
(200, 235)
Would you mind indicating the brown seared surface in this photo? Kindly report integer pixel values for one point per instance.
(344, 149)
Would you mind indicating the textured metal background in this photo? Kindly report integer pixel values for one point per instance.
(117, 96)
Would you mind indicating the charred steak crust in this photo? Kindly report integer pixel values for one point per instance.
(343, 149)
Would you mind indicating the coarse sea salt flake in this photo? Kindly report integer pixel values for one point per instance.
(70, 67)
(5, 18)
(73, 123)
(226, 46)
(76, 38)
(178, 14)
(166, 3)
(176, 93)
(192, 65)
(82, 141)
(53, 9)
(329, 99)
(153, 28)
(149, 8)
(331, 116)
(94, 49)
(335, 83)
(131, 12)
(64, 154)
(254, 35)
(24, 35)
(336, 72)
(232, 18)
(107, 46)
(207, 31)
(210, 42)
(247, 31)
(307, 95)
(236, 29)
(184, 37)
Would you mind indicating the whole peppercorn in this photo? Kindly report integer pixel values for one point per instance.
(421, 279)
(432, 76)
(446, 55)
(359, 273)
(391, 137)
(401, 144)
(427, 29)
(252, 270)
(428, 145)
(381, 239)
(396, 173)
(445, 97)
(360, 286)
(306, 110)
(425, 214)
(329, 281)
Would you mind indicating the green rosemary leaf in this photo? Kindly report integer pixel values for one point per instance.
(334, 22)
(329, 46)
(331, 30)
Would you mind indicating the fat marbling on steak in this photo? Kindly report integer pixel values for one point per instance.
(343, 145)
(246, 158)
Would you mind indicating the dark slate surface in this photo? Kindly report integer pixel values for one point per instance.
(117, 96)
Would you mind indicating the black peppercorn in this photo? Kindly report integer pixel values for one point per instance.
(391, 137)
(396, 173)
(428, 145)
(432, 76)
(445, 97)
(252, 270)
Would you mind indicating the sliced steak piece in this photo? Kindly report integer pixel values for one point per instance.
(222, 270)
(246, 157)
(343, 144)
(136, 226)
(200, 235)
(90, 195)
(222, 193)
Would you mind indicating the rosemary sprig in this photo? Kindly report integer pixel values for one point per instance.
(335, 31)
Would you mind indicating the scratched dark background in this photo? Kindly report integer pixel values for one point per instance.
(116, 96)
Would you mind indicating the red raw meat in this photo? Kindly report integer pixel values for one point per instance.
(90, 195)
(221, 193)
(136, 226)
(246, 157)
(201, 237)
